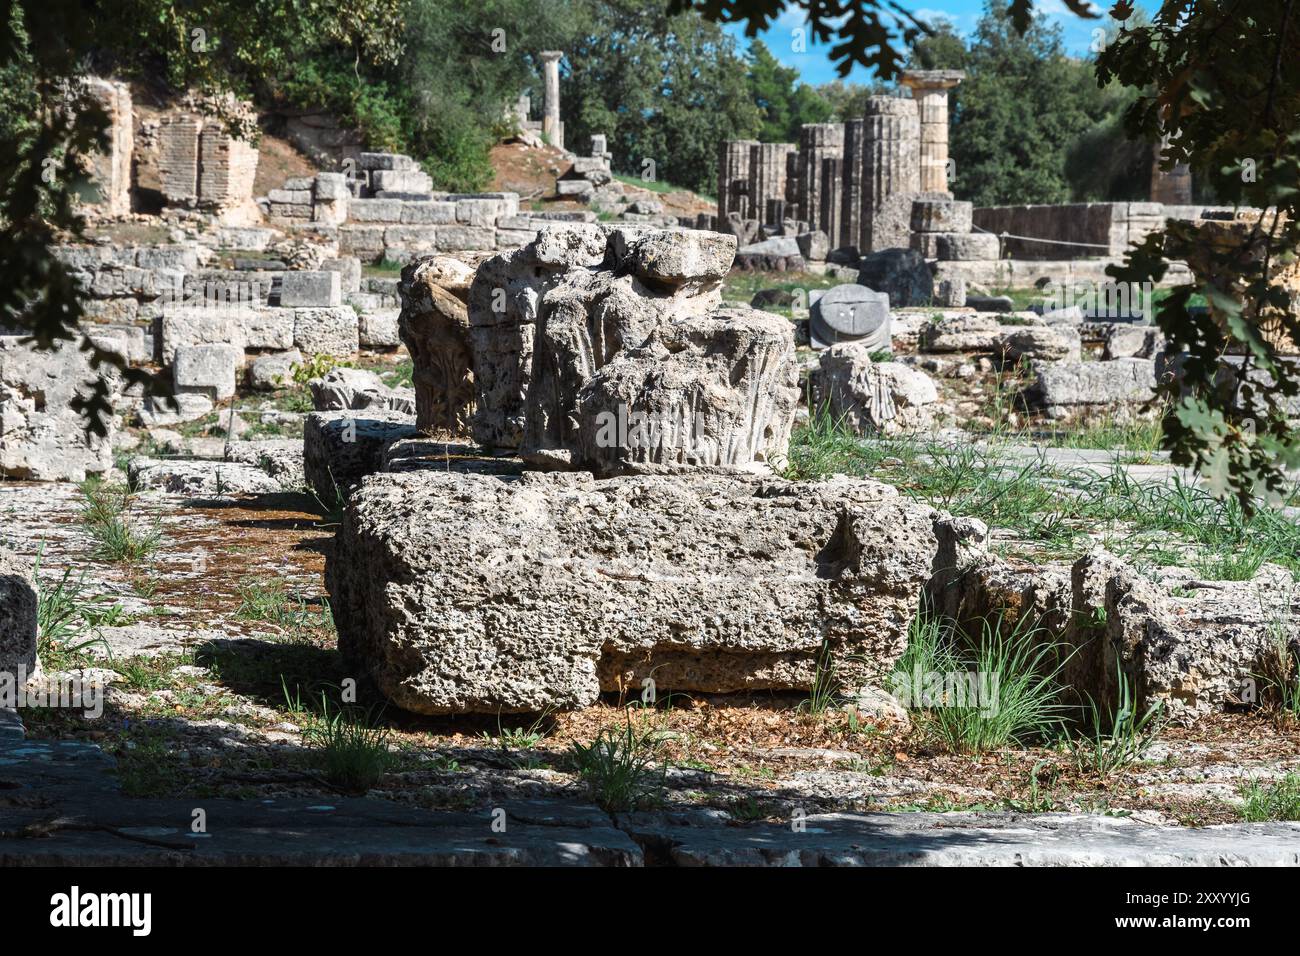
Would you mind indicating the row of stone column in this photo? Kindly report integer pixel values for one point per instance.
(854, 181)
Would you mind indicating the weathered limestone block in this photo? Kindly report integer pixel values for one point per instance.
(267, 327)
(210, 370)
(1066, 387)
(434, 327)
(322, 288)
(200, 478)
(186, 325)
(266, 373)
(281, 458)
(340, 448)
(356, 388)
(717, 390)
(1040, 343)
(1191, 656)
(873, 397)
(18, 603)
(328, 331)
(41, 436)
(973, 332)
(1123, 340)
(964, 247)
(379, 329)
(460, 593)
(941, 215)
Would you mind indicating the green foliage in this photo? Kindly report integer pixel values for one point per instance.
(106, 516)
(1117, 739)
(618, 767)
(997, 689)
(664, 89)
(786, 104)
(1265, 802)
(349, 747)
(1230, 79)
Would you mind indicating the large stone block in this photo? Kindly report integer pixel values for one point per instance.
(42, 437)
(210, 370)
(1066, 386)
(941, 215)
(184, 325)
(342, 447)
(462, 593)
(326, 331)
(717, 390)
(267, 327)
(311, 289)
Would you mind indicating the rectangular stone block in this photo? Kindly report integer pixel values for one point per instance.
(375, 210)
(267, 327)
(431, 213)
(310, 289)
(414, 237)
(369, 161)
(464, 238)
(302, 196)
(349, 270)
(183, 325)
(364, 241)
(478, 212)
(332, 331)
(209, 370)
(331, 186)
(378, 330)
(400, 180)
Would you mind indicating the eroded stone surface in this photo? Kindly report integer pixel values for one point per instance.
(468, 593)
(712, 391)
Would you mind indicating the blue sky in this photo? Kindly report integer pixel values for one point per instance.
(815, 66)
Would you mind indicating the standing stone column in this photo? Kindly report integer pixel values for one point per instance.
(850, 187)
(733, 177)
(552, 128)
(817, 142)
(891, 172)
(828, 215)
(767, 176)
(930, 90)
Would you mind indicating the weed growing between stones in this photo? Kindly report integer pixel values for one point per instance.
(1117, 740)
(106, 516)
(618, 767)
(1273, 801)
(980, 694)
(288, 611)
(63, 611)
(349, 746)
